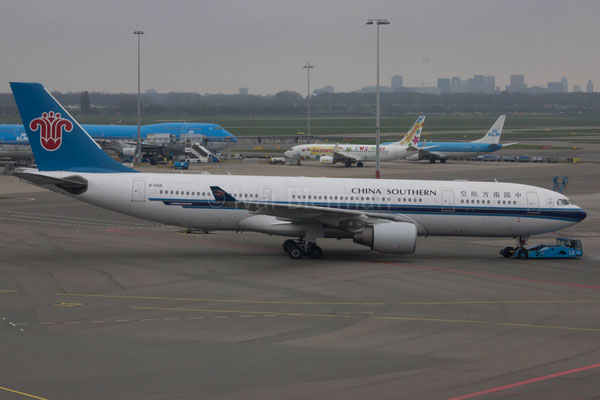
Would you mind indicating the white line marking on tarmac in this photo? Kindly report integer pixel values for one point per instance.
(222, 316)
(122, 320)
(96, 322)
(367, 312)
(246, 316)
(46, 323)
(170, 319)
(270, 315)
(196, 318)
(146, 319)
(71, 322)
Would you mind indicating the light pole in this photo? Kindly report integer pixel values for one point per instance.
(308, 66)
(377, 127)
(138, 152)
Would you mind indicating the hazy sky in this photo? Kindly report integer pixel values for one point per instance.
(219, 46)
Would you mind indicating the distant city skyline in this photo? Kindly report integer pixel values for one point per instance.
(219, 47)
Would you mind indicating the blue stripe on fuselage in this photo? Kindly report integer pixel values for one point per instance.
(545, 213)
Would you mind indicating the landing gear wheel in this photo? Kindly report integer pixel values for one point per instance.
(507, 251)
(443, 160)
(348, 164)
(294, 251)
(359, 164)
(432, 160)
(522, 253)
(287, 243)
(314, 251)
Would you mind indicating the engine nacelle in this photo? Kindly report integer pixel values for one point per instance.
(391, 237)
(326, 159)
(128, 151)
(413, 157)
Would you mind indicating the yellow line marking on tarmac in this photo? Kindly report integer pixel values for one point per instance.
(7, 291)
(68, 304)
(109, 296)
(249, 312)
(23, 394)
(468, 321)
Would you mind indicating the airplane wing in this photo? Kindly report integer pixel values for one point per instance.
(509, 144)
(332, 217)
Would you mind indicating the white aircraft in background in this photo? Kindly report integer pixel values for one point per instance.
(359, 153)
(384, 214)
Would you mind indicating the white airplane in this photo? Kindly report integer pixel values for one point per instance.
(359, 153)
(386, 215)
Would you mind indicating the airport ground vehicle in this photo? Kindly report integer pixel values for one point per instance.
(277, 160)
(181, 165)
(564, 248)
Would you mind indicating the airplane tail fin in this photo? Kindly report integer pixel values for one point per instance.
(493, 135)
(413, 135)
(58, 142)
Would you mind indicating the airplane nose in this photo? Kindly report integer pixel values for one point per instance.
(288, 154)
(580, 214)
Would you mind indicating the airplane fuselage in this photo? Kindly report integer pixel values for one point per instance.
(455, 150)
(358, 152)
(445, 208)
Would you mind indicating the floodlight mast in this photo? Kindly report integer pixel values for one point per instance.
(138, 152)
(308, 67)
(375, 21)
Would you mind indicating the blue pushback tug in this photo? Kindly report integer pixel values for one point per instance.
(564, 248)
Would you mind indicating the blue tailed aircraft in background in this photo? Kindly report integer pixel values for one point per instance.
(457, 150)
(215, 136)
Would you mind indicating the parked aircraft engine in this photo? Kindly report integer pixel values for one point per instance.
(128, 151)
(326, 159)
(391, 237)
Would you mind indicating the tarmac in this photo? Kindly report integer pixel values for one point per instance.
(97, 305)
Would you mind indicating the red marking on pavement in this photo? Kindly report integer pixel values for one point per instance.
(526, 382)
(515, 278)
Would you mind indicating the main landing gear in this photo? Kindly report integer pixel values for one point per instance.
(298, 248)
(519, 251)
(348, 164)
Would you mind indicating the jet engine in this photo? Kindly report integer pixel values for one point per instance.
(128, 151)
(390, 237)
(326, 159)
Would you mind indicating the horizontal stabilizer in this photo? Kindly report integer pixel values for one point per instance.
(73, 184)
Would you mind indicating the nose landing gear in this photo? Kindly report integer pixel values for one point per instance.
(519, 250)
(298, 248)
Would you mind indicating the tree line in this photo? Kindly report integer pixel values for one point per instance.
(291, 103)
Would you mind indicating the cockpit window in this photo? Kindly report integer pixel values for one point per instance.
(562, 202)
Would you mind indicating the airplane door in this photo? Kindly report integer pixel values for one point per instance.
(267, 194)
(533, 203)
(138, 191)
(447, 200)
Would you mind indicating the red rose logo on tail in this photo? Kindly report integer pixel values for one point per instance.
(51, 127)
